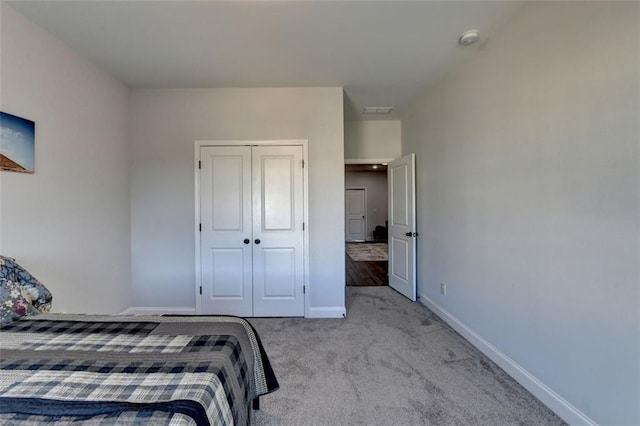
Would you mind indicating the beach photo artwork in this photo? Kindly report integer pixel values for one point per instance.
(17, 143)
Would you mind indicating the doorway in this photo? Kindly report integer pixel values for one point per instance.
(366, 221)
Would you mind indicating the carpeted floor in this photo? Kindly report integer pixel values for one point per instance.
(390, 362)
(368, 252)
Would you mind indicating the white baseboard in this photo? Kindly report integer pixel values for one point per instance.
(551, 399)
(148, 310)
(327, 312)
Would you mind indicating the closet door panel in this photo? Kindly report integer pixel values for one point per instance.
(278, 266)
(278, 269)
(225, 214)
(277, 194)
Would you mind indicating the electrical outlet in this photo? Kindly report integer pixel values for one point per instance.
(443, 289)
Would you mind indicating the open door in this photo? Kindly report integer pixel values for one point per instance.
(401, 179)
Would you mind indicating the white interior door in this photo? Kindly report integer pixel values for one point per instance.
(402, 226)
(225, 237)
(356, 206)
(278, 270)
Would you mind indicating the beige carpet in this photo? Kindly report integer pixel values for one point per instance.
(368, 252)
(390, 362)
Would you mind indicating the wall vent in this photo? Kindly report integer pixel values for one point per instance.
(377, 110)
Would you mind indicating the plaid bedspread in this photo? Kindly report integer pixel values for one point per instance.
(65, 369)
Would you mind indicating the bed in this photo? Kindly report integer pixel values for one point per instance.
(156, 370)
(197, 370)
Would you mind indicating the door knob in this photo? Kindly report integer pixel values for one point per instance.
(408, 234)
(257, 241)
(247, 241)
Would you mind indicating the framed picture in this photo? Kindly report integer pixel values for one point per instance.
(17, 143)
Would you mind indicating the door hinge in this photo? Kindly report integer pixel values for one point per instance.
(303, 164)
(304, 289)
(200, 227)
(199, 164)
(200, 289)
(303, 226)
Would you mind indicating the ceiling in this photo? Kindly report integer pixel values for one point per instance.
(381, 52)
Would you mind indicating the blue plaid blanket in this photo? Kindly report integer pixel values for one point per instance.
(131, 370)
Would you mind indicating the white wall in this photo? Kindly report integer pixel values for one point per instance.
(377, 204)
(165, 124)
(379, 139)
(528, 183)
(68, 223)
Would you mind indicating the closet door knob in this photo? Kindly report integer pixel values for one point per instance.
(257, 241)
(247, 241)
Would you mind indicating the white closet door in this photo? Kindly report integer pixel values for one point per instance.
(278, 270)
(226, 236)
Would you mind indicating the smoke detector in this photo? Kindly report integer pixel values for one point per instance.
(469, 37)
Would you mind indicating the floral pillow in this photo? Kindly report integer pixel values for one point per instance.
(32, 290)
(13, 303)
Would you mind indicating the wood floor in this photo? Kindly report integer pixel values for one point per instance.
(367, 273)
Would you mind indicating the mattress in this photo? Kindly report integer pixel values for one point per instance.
(131, 369)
